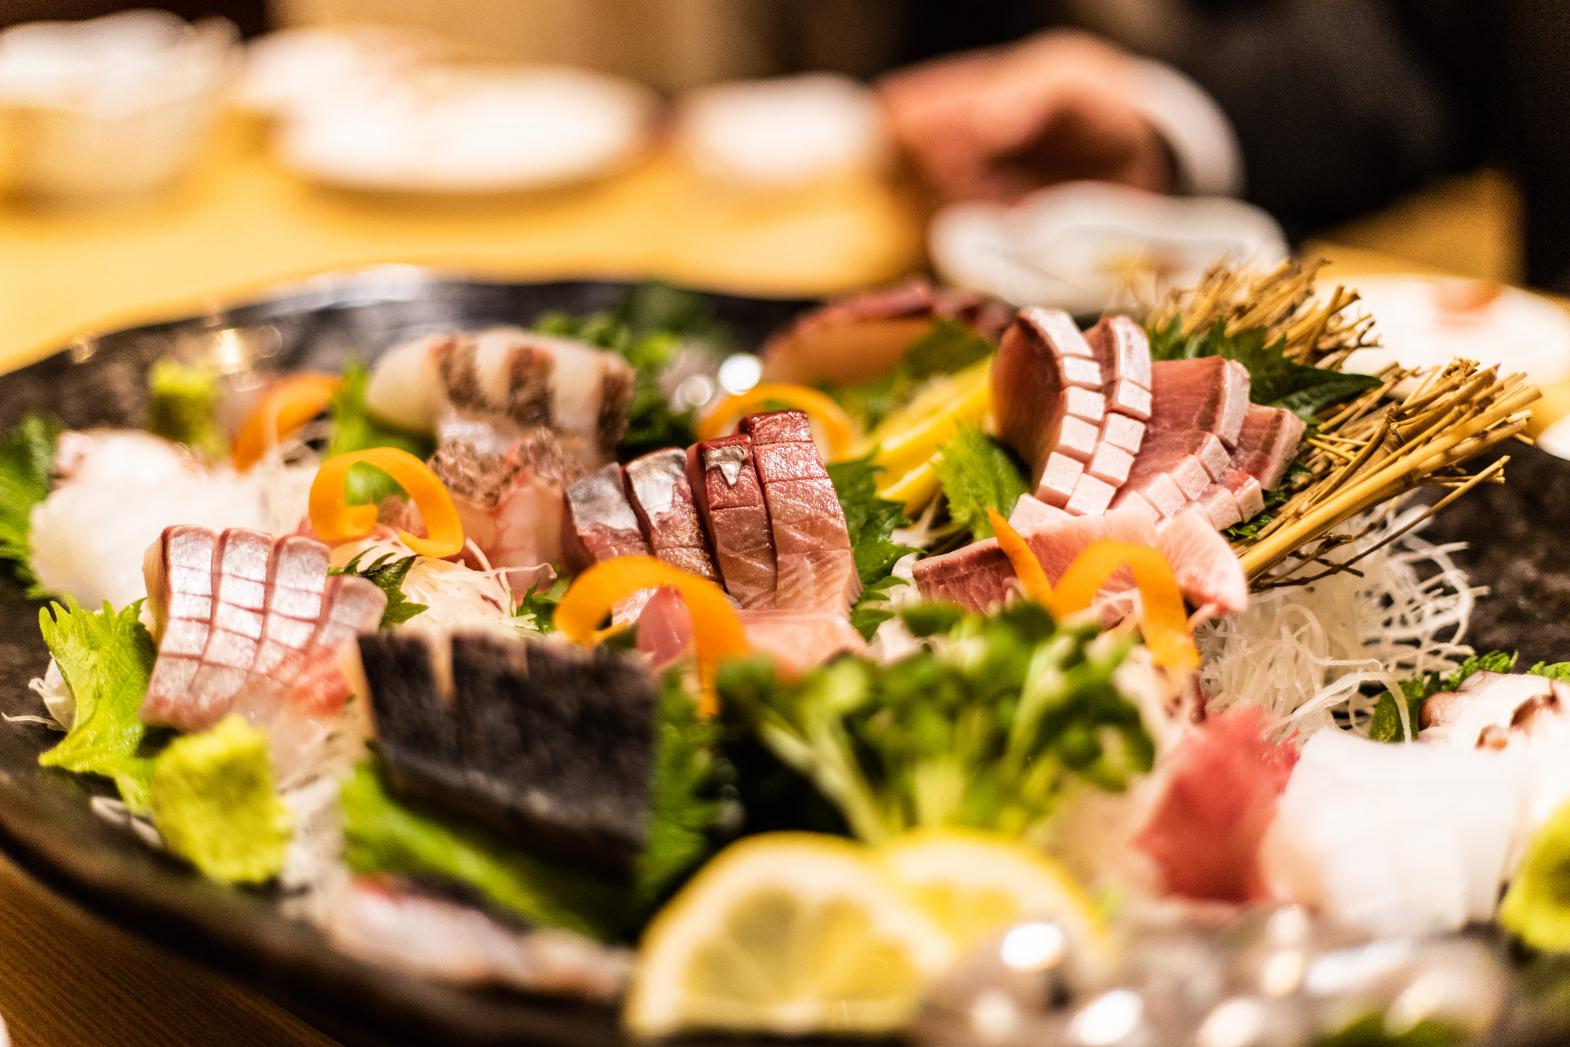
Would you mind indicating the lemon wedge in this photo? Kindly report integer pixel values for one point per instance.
(975, 884)
(907, 444)
(786, 933)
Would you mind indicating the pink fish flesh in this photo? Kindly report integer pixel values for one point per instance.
(247, 622)
(511, 503)
(724, 480)
(600, 522)
(814, 565)
(383, 922)
(1267, 443)
(1207, 569)
(667, 512)
(796, 641)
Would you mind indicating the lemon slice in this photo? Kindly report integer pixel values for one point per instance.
(975, 884)
(786, 933)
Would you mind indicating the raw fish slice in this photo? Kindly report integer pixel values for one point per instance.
(1234, 498)
(1209, 394)
(1123, 351)
(1207, 570)
(600, 524)
(1045, 374)
(491, 388)
(381, 922)
(1396, 840)
(546, 740)
(263, 629)
(796, 640)
(859, 338)
(980, 576)
(724, 481)
(814, 565)
(1031, 512)
(1217, 799)
(511, 504)
(667, 513)
(1267, 443)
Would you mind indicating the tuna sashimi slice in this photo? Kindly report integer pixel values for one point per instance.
(600, 523)
(815, 568)
(1041, 360)
(1207, 570)
(1267, 443)
(668, 515)
(1217, 800)
(260, 624)
(1209, 394)
(724, 480)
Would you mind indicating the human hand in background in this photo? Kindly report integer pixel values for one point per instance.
(997, 124)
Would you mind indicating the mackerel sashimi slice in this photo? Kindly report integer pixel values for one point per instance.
(724, 480)
(815, 568)
(600, 523)
(662, 496)
(242, 619)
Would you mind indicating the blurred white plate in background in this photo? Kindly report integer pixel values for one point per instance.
(476, 130)
(292, 69)
(781, 133)
(1428, 321)
(1091, 246)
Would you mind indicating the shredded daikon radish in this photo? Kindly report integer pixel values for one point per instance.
(1305, 653)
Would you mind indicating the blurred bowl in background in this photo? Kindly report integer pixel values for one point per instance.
(470, 130)
(1092, 246)
(1428, 321)
(111, 106)
(784, 133)
(289, 71)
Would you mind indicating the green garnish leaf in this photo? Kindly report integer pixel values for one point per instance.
(870, 519)
(977, 474)
(355, 428)
(213, 801)
(1274, 380)
(539, 605)
(1385, 726)
(1552, 670)
(27, 455)
(106, 658)
(946, 347)
(388, 836)
(873, 608)
(183, 407)
(985, 726)
(684, 812)
(387, 573)
(1374, 1030)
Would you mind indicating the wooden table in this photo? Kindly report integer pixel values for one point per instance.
(70, 980)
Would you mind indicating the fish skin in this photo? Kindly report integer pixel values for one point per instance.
(546, 740)
(600, 523)
(729, 495)
(511, 503)
(262, 629)
(661, 495)
(816, 570)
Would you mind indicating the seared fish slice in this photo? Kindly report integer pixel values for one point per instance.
(549, 741)
(667, 511)
(724, 480)
(600, 523)
(244, 619)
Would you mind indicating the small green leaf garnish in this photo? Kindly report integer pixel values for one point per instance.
(1385, 726)
(27, 455)
(977, 474)
(387, 572)
(539, 605)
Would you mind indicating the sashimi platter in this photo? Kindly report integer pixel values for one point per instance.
(595, 663)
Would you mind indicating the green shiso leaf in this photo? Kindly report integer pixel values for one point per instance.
(870, 519)
(106, 658)
(355, 428)
(386, 835)
(213, 801)
(1385, 726)
(183, 407)
(27, 454)
(1274, 380)
(387, 573)
(539, 604)
(977, 474)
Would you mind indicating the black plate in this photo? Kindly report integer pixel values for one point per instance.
(45, 823)
(1521, 535)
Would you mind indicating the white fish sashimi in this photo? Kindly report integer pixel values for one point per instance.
(1396, 839)
(117, 493)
